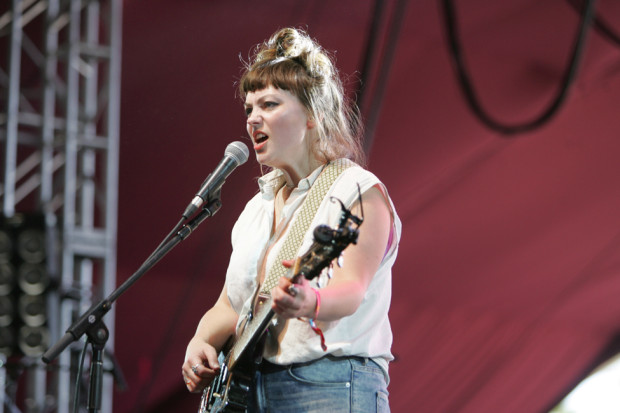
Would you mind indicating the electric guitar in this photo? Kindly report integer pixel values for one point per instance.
(229, 390)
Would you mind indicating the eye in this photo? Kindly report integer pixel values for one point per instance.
(270, 104)
(248, 111)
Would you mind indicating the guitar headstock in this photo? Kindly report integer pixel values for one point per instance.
(330, 242)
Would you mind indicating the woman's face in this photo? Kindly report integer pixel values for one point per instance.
(279, 127)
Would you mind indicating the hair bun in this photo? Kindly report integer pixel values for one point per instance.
(295, 44)
(291, 43)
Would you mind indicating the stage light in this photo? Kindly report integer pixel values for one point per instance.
(33, 279)
(24, 284)
(33, 341)
(32, 310)
(31, 245)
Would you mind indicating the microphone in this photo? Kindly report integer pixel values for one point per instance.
(236, 154)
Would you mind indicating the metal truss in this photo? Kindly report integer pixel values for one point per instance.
(59, 127)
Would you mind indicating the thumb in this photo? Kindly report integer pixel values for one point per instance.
(212, 359)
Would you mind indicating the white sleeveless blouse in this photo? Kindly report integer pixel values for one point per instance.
(367, 332)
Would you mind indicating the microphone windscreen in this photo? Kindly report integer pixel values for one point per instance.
(238, 151)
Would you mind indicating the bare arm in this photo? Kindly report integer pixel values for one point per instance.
(214, 328)
(344, 293)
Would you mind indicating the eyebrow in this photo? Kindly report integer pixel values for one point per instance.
(261, 99)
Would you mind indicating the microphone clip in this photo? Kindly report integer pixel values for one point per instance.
(213, 203)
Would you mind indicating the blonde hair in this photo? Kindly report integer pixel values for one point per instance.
(290, 60)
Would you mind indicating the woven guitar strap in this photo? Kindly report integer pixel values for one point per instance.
(302, 221)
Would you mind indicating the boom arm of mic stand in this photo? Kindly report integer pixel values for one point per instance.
(92, 319)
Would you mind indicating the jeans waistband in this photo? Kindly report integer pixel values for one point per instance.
(267, 367)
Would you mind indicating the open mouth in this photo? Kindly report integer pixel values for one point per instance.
(260, 138)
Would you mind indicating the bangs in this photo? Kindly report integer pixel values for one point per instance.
(285, 74)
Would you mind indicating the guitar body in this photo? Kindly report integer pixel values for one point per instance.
(229, 391)
(231, 388)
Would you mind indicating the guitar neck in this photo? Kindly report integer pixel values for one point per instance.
(257, 325)
(253, 331)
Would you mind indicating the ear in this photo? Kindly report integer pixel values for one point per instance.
(311, 123)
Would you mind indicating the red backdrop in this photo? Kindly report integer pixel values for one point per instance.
(507, 283)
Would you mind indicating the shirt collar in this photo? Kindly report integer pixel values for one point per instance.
(272, 181)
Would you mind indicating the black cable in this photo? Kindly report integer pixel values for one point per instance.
(468, 89)
(78, 380)
(599, 24)
(168, 237)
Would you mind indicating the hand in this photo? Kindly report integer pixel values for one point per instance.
(200, 366)
(293, 299)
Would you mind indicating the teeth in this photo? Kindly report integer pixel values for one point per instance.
(260, 137)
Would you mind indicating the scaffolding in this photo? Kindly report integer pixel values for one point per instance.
(59, 128)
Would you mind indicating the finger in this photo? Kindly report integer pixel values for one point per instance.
(201, 371)
(278, 303)
(284, 312)
(284, 305)
(284, 283)
(282, 296)
(194, 387)
(199, 380)
(189, 383)
(197, 369)
(288, 287)
(212, 361)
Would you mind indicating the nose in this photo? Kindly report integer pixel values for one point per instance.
(254, 118)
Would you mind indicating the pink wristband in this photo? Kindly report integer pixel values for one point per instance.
(316, 315)
(318, 303)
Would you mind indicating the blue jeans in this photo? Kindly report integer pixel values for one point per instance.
(329, 384)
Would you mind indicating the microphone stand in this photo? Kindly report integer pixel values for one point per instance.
(91, 322)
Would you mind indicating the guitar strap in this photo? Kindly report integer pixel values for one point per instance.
(295, 236)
